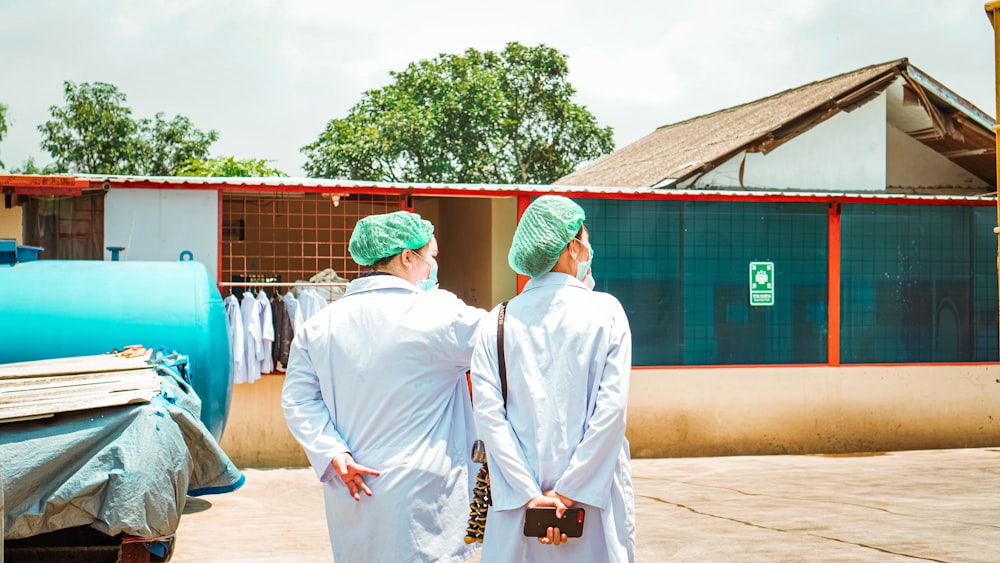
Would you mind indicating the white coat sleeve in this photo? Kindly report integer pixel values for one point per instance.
(588, 476)
(307, 415)
(463, 333)
(496, 433)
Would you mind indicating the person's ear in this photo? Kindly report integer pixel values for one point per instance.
(575, 253)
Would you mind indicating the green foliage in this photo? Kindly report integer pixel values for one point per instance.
(3, 125)
(95, 133)
(478, 117)
(228, 167)
(29, 167)
(165, 147)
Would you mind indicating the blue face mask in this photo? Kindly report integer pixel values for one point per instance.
(431, 282)
(583, 267)
(432, 279)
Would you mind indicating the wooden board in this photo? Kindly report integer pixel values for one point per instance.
(77, 365)
(30, 390)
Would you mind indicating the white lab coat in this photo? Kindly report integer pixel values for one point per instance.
(253, 346)
(234, 322)
(294, 311)
(569, 356)
(266, 332)
(381, 373)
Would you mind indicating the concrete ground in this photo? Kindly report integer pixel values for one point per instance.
(938, 505)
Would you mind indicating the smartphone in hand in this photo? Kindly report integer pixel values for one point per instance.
(538, 519)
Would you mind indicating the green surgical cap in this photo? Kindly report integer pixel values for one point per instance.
(379, 236)
(546, 227)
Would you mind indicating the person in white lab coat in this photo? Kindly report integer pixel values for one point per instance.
(560, 441)
(376, 393)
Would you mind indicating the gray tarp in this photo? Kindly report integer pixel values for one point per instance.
(118, 469)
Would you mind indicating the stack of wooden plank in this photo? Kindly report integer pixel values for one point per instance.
(43, 388)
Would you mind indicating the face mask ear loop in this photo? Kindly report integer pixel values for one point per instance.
(409, 267)
(431, 281)
(590, 253)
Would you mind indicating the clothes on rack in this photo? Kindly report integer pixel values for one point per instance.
(234, 322)
(261, 328)
(250, 308)
(267, 333)
(283, 333)
(294, 311)
(310, 302)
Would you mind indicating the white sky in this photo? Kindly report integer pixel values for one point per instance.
(268, 75)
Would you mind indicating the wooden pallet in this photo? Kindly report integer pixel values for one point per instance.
(43, 388)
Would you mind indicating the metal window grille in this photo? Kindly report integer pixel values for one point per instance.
(286, 237)
(66, 227)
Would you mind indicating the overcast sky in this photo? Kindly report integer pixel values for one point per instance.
(268, 75)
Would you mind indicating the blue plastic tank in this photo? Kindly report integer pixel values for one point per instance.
(60, 308)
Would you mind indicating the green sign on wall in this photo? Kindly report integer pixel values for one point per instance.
(761, 283)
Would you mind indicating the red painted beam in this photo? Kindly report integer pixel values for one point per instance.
(523, 201)
(833, 286)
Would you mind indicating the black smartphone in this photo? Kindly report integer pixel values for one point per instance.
(537, 520)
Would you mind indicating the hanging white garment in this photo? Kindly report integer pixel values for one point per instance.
(266, 332)
(234, 322)
(294, 311)
(312, 301)
(250, 309)
(381, 373)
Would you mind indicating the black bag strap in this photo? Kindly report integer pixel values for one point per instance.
(501, 361)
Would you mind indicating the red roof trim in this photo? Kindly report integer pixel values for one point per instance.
(69, 185)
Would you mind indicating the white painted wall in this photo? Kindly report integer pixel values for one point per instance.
(845, 152)
(684, 412)
(912, 164)
(158, 225)
(681, 412)
(11, 222)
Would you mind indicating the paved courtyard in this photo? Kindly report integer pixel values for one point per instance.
(935, 505)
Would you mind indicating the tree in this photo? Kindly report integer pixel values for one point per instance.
(3, 125)
(164, 147)
(95, 133)
(476, 117)
(228, 167)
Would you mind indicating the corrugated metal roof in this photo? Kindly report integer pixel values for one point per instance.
(510, 190)
(689, 148)
(324, 184)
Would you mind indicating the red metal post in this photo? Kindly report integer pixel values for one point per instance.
(833, 286)
(218, 256)
(523, 202)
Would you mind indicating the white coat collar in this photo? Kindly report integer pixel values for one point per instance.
(373, 283)
(554, 279)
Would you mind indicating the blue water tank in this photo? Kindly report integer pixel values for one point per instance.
(61, 308)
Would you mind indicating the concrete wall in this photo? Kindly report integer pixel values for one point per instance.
(256, 434)
(474, 236)
(465, 245)
(159, 225)
(11, 223)
(735, 411)
(504, 224)
(794, 410)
